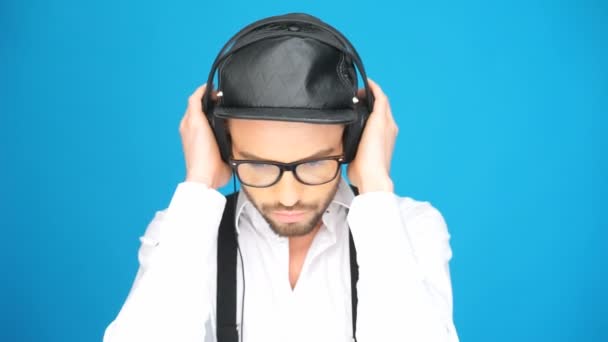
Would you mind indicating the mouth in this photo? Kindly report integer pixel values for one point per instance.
(288, 216)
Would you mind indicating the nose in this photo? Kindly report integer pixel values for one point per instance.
(288, 189)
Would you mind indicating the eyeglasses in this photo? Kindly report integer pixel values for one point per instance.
(264, 173)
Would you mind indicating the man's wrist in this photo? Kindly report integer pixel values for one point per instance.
(199, 180)
(376, 185)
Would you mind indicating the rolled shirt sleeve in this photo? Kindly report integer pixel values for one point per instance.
(169, 297)
(404, 284)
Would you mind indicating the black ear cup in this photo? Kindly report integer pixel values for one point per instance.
(219, 128)
(208, 111)
(353, 132)
(223, 138)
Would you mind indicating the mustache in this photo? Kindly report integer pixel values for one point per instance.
(296, 207)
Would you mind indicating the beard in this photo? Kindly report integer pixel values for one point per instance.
(294, 229)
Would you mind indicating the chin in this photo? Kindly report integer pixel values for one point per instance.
(293, 229)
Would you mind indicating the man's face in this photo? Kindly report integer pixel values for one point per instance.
(290, 207)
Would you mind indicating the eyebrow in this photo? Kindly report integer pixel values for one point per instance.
(322, 153)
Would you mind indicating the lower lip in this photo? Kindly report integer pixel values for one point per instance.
(288, 217)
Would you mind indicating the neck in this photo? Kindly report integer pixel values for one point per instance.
(298, 248)
(301, 244)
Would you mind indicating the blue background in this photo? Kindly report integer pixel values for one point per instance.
(502, 112)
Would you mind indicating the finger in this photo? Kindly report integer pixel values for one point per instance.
(380, 100)
(194, 101)
(389, 112)
(380, 96)
(375, 88)
(361, 93)
(214, 95)
(198, 93)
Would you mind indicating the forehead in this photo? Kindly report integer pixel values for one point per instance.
(282, 140)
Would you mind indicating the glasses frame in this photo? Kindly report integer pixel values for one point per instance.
(234, 163)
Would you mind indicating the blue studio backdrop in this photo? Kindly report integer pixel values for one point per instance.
(502, 111)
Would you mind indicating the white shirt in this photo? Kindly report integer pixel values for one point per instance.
(404, 286)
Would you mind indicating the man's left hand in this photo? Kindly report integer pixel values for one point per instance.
(370, 170)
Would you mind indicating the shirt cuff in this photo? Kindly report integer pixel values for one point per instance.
(191, 195)
(193, 218)
(380, 232)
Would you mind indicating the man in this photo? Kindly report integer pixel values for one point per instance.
(292, 217)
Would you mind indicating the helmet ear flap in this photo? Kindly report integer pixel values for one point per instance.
(353, 132)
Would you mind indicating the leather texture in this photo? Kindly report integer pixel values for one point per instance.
(288, 78)
(292, 67)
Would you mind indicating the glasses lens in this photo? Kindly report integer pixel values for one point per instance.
(318, 171)
(258, 174)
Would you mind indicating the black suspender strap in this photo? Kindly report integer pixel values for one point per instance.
(226, 275)
(354, 274)
(354, 277)
(227, 272)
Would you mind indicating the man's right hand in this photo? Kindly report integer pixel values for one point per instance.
(203, 161)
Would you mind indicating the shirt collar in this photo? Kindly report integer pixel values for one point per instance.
(344, 196)
(341, 202)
